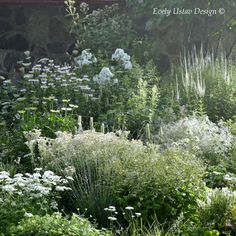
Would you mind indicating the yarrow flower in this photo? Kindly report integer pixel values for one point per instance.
(111, 218)
(129, 208)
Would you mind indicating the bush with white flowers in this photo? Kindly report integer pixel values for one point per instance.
(107, 167)
(28, 194)
(196, 133)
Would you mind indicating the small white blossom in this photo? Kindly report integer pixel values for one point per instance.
(129, 208)
(28, 215)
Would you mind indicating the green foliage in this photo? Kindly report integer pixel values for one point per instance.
(107, 28)
(112, 170)
(218, 211)
(56, 225)
(165, 186)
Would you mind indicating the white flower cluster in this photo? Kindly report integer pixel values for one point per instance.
(84, 7)
(104, 76)
(86, 58)
(197, 133)
(120, 55)
(34, 185)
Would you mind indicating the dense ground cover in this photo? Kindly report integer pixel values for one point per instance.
(105, 145)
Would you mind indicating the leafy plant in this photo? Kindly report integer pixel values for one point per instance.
(218, 210)
(56, 224)
(106, 28)
(28, 194)
(111, 170)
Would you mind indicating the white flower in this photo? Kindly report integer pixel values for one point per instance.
(8, 188)
(127, 65)
(36, 175)
(104, 76)
(70, 178)
(129, 208)
(4, 175)
(84, 7)
(47, 174)
(120, 55)
(95, 78)
(112, 218)
(18, 175)
(137, 214)
(86, 58)
(28, 215)
(27, 53)
(197, 133)
(111, 209)
(54, 205)
(28, 76)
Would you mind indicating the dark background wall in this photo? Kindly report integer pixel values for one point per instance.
(43, 30)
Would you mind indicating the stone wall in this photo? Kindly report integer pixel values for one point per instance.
(43, 30)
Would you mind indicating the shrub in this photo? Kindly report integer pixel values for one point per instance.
(106, 28)
(112, 170)
(197, 134)
(218, 211)
(28, 194)
(56, 224)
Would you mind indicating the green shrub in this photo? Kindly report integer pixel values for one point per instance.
(56, 225)
(107, 28)
(109, 170)
(218, 211)
(164, 185)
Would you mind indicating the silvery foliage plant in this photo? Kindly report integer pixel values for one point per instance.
(197, 134)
